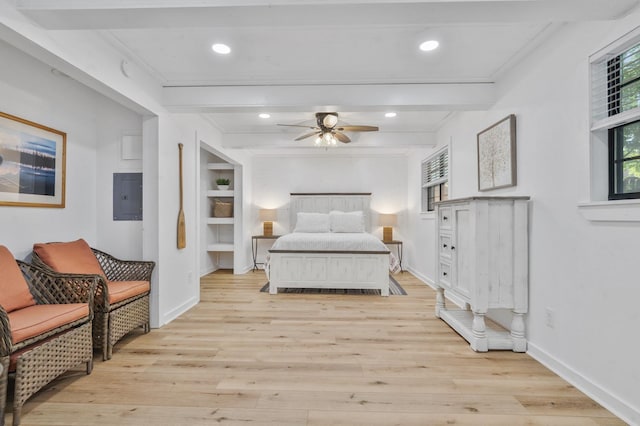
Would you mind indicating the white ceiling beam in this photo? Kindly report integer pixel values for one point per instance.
(365, 97)
(102, 14)
(359, 140)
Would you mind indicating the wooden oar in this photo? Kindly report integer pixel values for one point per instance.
(182, 232)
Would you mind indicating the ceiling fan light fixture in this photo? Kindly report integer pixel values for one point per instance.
(330, 120)
(221, 48)
(429, 45)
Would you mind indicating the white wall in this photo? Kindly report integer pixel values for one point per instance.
(274, 177)
(121, 238)
(581, 270)
(30, 90)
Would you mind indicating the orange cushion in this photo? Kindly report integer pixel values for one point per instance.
(121, 290)
(74, 257)
(14, 292)
(36, 320)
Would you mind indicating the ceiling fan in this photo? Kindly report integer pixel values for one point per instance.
(328, 130)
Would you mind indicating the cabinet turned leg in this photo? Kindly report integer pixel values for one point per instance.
(440, 306)
(517, 333)
(479, 342)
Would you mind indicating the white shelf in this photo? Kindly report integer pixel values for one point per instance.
(220, 247)
(462, 321)
(220, 221)
(219, 193)
(220, 166)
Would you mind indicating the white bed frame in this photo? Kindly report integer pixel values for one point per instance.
(329, 269)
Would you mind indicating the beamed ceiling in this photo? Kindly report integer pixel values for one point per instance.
(292, 58)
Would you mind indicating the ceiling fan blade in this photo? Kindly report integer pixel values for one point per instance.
(341, 137)
(307, 135)
(299, 125)
(357, 128)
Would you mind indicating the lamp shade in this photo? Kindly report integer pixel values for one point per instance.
(268, 215)
(388, 219)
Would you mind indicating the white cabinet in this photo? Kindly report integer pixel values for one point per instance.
(483, 262)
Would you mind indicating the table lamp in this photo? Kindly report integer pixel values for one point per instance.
(268, 216)
(387, 221)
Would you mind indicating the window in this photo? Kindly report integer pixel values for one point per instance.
(623, 83)
(616, 121)
(435, 179)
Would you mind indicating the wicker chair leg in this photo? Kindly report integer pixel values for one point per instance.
(106, 350)
(4, 373)
(17, 411)
(89, 366)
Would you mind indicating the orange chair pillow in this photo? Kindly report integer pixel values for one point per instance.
(14, 291)
(74, 257)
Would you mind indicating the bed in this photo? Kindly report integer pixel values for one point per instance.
(329, 256)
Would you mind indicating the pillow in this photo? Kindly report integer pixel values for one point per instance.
(74, 257)
(312, 222)
(346, 222)
(14, 292)
(222, 209)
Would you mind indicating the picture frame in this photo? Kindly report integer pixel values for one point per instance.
(497, 155)
(32, 163)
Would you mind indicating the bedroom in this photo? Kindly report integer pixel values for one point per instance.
(579, 268)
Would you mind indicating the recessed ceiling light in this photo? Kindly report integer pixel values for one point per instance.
(264, 115)
(220, 48)
(429, 45)
(390, 114)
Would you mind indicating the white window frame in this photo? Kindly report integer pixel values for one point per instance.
(600, 208)
(424, 186)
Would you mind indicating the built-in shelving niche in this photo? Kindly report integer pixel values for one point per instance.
(219, 234)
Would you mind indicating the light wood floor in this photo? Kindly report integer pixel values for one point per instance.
(242, 357)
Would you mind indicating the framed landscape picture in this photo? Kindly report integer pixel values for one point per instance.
(497, 155)
(32, 163)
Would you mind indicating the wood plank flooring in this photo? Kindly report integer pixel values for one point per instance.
(243, 357)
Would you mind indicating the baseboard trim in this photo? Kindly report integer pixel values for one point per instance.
(208, 271)
(428, 281)
(179, 310)
(603, 397)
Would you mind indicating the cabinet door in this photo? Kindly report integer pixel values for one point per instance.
(462, 250)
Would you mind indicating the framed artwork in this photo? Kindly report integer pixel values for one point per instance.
(497, 155)
(32, 163)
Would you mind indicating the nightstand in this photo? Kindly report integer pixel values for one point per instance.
(254, 247)
(398, 245)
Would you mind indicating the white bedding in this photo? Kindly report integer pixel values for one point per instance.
(329, 241)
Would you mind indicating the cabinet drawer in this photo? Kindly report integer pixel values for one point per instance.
(445, 274)
(444, 217)
(444, 245)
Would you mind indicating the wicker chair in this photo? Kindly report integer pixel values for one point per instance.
(46, 336)
(114, 317)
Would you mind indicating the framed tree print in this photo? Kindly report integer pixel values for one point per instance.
(32, 163)
(497, 155)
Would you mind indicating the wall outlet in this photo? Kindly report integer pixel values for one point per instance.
(550, 318)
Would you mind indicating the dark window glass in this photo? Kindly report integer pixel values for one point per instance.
(624, 164)
(437, 193)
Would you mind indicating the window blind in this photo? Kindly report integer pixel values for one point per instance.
(615, 88)
(435, 169)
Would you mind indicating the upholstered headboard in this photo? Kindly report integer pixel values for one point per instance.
(325, 202)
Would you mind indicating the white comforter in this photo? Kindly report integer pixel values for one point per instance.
(330, 241)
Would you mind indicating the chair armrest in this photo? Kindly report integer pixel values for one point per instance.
(5, 334)
(124, 270)
(50, 287)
